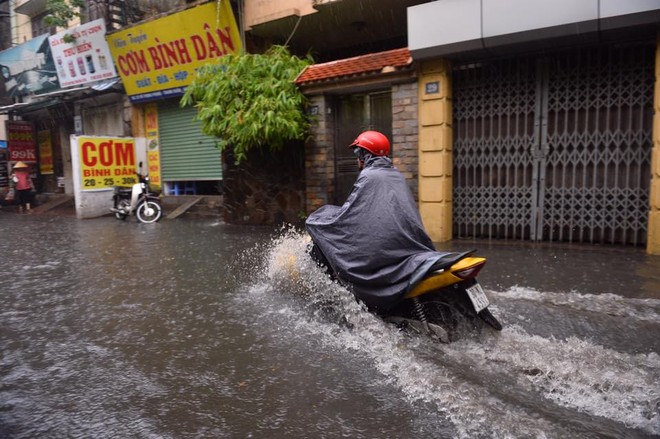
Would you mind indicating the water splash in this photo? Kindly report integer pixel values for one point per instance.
(575, 373)
(486, 386)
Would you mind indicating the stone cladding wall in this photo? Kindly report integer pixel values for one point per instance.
(320, 156)
(405, 138)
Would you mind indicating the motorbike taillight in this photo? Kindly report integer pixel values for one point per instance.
(471, 271)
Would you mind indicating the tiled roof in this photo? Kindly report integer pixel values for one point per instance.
(390, 60)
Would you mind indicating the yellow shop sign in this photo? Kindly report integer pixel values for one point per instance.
(106, 162)
(158, 59)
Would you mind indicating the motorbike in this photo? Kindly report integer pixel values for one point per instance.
(445, 302)
(138, 200)
(447, 298)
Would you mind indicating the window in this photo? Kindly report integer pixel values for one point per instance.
(39, 26)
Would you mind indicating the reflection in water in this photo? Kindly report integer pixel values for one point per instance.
(197, 329)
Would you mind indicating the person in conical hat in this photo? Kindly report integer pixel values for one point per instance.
(24, 186)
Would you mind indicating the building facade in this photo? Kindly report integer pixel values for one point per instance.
(552, 119)
(533, 120)
(63, 91)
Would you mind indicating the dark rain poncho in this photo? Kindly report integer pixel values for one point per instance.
(375, 242)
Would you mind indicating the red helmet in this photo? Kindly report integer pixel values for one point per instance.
(373, 141)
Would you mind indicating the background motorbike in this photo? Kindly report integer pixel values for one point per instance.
(138, 199)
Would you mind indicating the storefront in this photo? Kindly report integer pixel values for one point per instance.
(59, 89)
(156, 65)
(190, 161)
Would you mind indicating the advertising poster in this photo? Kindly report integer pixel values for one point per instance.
(45, 152)
(85, 60)
(154, 62)
(153, 149)
(106, 162)
(20, 141)
(28, 69)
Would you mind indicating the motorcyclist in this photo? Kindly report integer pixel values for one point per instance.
(375, 243)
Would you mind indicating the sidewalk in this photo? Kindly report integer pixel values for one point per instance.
(204, 206)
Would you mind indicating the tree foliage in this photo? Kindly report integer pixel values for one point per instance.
(250, 100)
(61, 12)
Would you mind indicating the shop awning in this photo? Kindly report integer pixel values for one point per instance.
(53, 98)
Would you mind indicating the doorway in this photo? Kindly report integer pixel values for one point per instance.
(357, 113)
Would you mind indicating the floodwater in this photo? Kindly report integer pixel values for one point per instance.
(196, 329)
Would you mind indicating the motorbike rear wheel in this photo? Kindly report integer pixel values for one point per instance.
(449, 308)
(148, 212)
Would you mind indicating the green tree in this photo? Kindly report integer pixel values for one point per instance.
(61, 12)
(251, 100)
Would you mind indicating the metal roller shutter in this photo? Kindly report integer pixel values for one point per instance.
(555, 147)
(186, 153)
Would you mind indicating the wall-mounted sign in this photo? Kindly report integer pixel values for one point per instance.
(85, 60)
(106, 162)
(28, 69)
(154, 62)
(153, 147)
(432, 87)
(21, 141)
(45, 152)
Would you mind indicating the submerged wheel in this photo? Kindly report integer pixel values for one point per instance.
(148, 212)
(449, 309)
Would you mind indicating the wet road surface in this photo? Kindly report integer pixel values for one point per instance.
(192, 329)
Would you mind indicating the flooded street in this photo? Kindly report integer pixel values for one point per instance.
(195, 329)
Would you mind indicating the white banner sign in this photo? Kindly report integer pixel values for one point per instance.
(87, 59)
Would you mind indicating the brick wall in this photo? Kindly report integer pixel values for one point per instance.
(319, 156)
(405, 137)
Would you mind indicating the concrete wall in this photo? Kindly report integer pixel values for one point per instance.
(262, 11)
(471, 25)
(435, 149)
